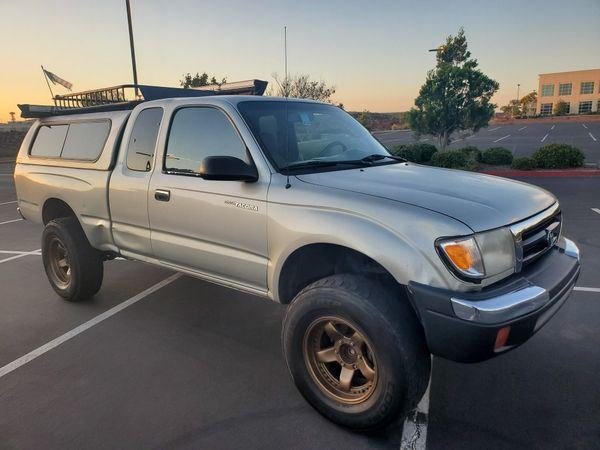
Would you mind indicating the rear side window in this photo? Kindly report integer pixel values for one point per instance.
(142, 142)
(85, 140)
(79, 140)
(49, 141)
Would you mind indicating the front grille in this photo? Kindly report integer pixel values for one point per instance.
(535, 236)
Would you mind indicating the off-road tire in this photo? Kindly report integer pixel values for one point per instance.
(85, 264)
(382, 313)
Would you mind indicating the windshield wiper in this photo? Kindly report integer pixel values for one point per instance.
(317, 163)
(378, 156)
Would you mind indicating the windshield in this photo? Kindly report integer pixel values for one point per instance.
(318, 135)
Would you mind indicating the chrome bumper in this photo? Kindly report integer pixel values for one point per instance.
(514, 304)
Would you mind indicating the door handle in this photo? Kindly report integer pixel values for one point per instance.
(162, 195)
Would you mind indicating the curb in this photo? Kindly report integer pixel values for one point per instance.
(544, 173)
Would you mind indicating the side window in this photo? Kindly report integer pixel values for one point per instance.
(49, 141)
(200, 132)
(142, 142)
(85, 140)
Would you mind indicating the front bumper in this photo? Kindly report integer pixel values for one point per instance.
(466, 327)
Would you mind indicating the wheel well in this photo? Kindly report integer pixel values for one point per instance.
(316, 261)
(55, 208)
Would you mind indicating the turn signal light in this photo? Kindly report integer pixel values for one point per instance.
(501, 338)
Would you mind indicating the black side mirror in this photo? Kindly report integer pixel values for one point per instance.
(227, 168)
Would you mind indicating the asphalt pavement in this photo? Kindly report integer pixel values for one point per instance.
(195, 365)
(521, 139)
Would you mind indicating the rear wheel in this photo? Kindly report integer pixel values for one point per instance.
(74, 268)
(356, 351)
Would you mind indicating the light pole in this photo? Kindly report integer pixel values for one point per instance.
(132, 48)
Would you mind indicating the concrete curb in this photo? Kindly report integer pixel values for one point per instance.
(544, 173)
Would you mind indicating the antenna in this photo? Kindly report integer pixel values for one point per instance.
(286, 93)
(285, 51)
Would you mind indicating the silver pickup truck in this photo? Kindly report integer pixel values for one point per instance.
(380, 261)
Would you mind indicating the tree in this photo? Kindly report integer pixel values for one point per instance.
(365, 119)
(528, 103)
(456, 95)
(301, 86)
(512, 109)
(561, 108)
(198, 80)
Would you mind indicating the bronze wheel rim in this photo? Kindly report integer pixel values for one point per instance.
(60, 265)
(340, 359)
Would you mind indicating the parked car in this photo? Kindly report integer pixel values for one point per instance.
(380, 261)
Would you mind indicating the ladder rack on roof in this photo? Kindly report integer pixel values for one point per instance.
(123, 97)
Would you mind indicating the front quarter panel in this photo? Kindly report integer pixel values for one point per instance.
(400, 237)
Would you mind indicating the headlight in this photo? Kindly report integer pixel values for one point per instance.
(482, 255)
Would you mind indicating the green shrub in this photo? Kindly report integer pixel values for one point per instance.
(558, 156)
(454, 159)
(497, 156)
(523, 163)
(471, 152)
(418, 153)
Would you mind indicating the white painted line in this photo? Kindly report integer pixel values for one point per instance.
(522, 128)
(596, 210)
(583, 125)
(34, 252)
(85, 326)
(552, 127)
(586, 289)
(8, 203)
(414, 430)
(15, 252)
(494, 129)
(592, 136)
(504, 137)
(10, 221)
(544, 138)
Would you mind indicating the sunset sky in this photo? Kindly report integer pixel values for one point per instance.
(375, 52)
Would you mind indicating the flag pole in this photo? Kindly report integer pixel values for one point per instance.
(48, 83)
(131, 46)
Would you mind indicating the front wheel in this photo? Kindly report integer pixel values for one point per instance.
(74, 268)
(356, 351)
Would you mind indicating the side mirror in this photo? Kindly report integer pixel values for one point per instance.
(227, 168)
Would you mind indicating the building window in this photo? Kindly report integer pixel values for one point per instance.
(587, 87)
(585, 107)
(546, 109)
(547, 90)
(565, 88)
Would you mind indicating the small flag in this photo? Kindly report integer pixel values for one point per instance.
(57, 80)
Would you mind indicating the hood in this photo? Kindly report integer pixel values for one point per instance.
(481, 202)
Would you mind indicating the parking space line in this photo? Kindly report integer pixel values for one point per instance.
(84, 326)
(592, 136)
(586, 289)
(494, 129)
(414, 430)
(544, 138)
(584, 126)
(8, 203)
(504, 137)
(20, 255)
(10, 221)
(596, 210)
(522, 128)
(552, 127)
(15, 252)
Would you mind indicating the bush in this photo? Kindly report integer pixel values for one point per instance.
(523, 163)
(558, 156)
(497, 156)
(454, 159)
(471, 152)
(418, 153)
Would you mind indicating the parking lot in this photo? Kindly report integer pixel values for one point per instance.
(521, 139)
(187, 364)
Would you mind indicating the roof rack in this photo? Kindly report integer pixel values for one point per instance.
(123, 97)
